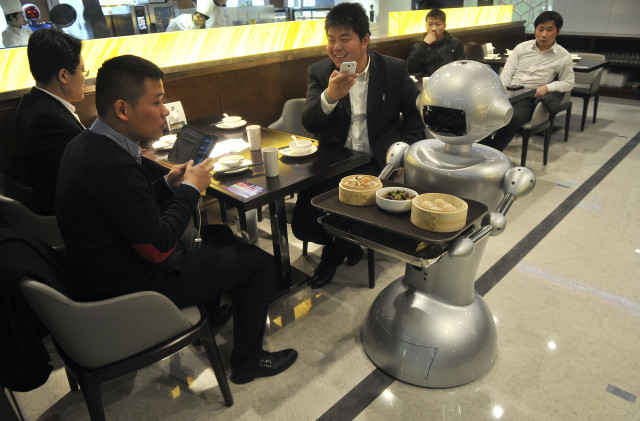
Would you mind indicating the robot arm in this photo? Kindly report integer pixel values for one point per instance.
(395, 159)
(518, 182)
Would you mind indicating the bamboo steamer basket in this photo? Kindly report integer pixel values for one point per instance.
(359, 196)
(437, 220)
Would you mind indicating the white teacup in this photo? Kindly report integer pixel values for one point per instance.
(230, 161)
(301, 146)
(231, 119)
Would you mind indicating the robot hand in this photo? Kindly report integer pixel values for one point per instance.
(518, 182)
(395, 158)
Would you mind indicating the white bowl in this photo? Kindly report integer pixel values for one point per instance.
(303, 145)
(231, 119)
(395, 206)
(231, 160)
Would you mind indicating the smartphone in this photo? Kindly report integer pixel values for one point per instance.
(204, 150)
(514, 87)
(348, 67)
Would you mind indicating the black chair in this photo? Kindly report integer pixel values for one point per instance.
(102, 340)
(539, 123)
(565, 105)
(587, 86)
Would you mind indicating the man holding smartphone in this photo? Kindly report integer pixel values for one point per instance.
(120, 241)
(360, 111)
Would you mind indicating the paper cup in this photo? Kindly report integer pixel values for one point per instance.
(254, 137)
(270, 161)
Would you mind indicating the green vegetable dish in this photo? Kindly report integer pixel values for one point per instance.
(398, 195)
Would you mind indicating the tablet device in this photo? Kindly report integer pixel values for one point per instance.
(192, 143)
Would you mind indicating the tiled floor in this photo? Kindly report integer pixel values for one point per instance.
(567, 314)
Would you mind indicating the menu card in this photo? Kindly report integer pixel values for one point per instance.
(244, 189)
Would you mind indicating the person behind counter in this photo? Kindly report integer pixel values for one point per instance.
(45, 120)
(120, 240)
(187, 22)
(17, 32)
(359, 111)
(539, 63)
(217, 12)
(436, 49)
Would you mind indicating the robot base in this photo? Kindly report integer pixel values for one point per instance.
(421, 340)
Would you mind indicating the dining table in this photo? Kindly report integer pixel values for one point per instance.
(249, 188)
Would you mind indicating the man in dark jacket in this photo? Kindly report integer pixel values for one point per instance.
(360, 111)
(46, 120)
(436, 49)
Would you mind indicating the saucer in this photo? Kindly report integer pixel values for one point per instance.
(229, 126)
(289, 152)
(492, 57)
(165, 142)
(576, 58)
(219, 167)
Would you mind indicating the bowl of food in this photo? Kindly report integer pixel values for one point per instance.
(359, 190)
(230, 161)
(300, 145)
(439, 212)
(395, 199)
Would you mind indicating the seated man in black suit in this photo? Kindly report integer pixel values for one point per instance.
(45, 119)
(360, 112)
(120, 241)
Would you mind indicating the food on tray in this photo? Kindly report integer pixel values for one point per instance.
(438, 204)
(398, 195)
(360, 181)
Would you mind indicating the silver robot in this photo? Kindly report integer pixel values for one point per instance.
(430, 328)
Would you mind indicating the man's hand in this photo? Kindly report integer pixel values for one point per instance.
(541, 91)
(174, 178)
(430, 38)
(199, 175)
(340, 84)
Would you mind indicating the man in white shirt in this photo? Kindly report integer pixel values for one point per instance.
(46, 121)
(361, 112)
(216, 10)
(17, 32)
(187, 22)
(541, 64)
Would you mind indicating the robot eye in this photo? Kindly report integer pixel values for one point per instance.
(445, 121)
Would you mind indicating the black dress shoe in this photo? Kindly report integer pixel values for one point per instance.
(271, 363)
(354, 256)
(322, 275)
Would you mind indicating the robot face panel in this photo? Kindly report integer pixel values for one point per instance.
(445, 121)
(474, 98)
(31, 12)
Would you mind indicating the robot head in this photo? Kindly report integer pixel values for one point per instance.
(463, 102)
(31, 12)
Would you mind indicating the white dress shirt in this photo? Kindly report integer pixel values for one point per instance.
(531, 67)
(358, 137)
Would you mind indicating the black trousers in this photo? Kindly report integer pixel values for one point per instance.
(522, 112)
(223, 265)
(305, 225)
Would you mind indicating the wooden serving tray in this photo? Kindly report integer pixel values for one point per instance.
(399, 223)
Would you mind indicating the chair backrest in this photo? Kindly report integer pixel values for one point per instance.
(290, 120)
(592, 78)
(17, 215)
(94, 334)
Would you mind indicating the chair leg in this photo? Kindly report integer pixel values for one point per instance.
(211, 349)
(372, 268)
(585, 106)
(567, 122)
(73, 384)
(259, 209)
(525, 145)
(547, 142)
(93, 398)
(596, 97)
(305, 244)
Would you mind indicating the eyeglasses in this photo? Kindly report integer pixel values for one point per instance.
(84, 72)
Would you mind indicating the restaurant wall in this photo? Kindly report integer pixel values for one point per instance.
(600, 16)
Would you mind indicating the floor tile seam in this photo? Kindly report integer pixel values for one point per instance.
(505, 264)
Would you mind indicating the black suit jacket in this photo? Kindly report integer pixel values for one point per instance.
(391, 92)
(43, 128)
